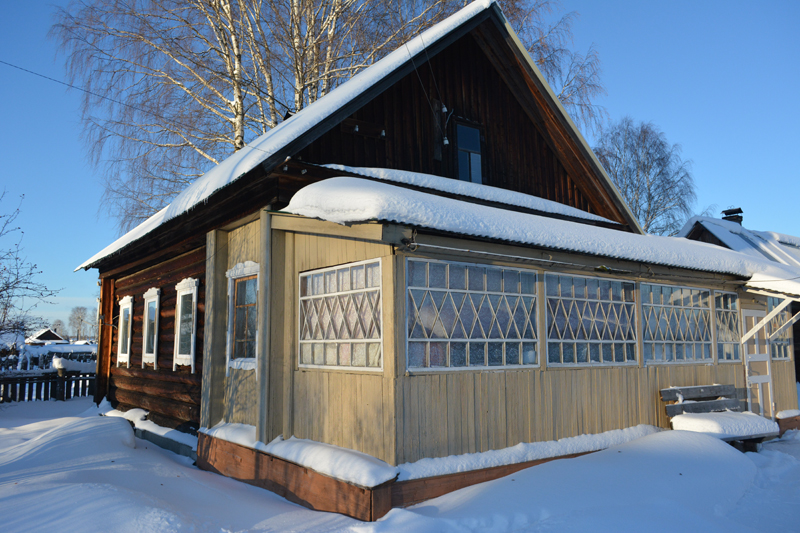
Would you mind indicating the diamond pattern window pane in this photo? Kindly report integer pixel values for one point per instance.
(589, 320)
(340, 316)
(462, 316)
(780, 346)
(677, 323)
(728, 332)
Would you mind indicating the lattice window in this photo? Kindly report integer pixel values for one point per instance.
(781, 345)
(677, 324)
(728, 331)
(340, 316)
(466, 315)
(590, 321)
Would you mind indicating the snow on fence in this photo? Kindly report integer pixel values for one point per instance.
(46, 386)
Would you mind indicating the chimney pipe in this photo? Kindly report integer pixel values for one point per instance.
(733, 215)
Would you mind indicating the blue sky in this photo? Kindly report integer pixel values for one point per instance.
(720, 78)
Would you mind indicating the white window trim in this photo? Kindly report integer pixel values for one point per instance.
(379, 340)
(125, 303)
(152, 295)
(240, 270)
(601, 364)
(712, 327)
(186, 286)
(476, 368)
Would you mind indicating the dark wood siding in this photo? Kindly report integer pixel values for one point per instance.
(172, 397)
(516, 155)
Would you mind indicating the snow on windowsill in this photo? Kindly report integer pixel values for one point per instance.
(244, 363)
(725, 424)
(137, 417)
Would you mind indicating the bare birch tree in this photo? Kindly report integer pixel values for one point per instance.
(173, 87)
(20, 291)
(649, 172)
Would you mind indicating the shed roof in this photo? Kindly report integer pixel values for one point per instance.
(277, 142)
(347, 200)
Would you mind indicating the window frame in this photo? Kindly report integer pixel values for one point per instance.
(247, 269)
(712, 319)
(125, 303)
(481, 153)
(186, 286)
(589, 363)
(153, 294)
(738, 320)
(534, 320)
(786, 336)
(379, 340)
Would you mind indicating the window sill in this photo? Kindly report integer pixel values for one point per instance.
(244, 363)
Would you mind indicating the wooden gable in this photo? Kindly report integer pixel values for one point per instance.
(523, 148)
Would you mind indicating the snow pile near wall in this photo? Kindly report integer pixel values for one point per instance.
(138, 417)
(241, 434)
(60, 363)
(522, 452)
(346, 200)
(474, 190)
(725, 424)
(340, 463)
(284, 133)
(788, 413)
(668, 481)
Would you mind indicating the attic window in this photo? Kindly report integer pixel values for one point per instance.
(469, 153)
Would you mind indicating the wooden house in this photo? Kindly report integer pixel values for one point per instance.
(456, 274)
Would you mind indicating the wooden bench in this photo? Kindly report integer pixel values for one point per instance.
(711, 399)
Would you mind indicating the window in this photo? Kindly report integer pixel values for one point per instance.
(590, 321)
(340, 316)
(150, 329)
(124, 331)
(242, 315)
(469, 153)
(781, 345)
(728, 333)
(467, 315)
(677, 324)
(185, 323)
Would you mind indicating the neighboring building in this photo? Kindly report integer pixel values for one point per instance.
(421, 298)
(45, 336)
(729, 232)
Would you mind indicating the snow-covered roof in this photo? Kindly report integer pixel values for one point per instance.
(778, 247)
(278, 137)
(274, 141)
(346, 200)
(35, 336)
(473, 190)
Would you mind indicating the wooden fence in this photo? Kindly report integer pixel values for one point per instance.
(33, 387)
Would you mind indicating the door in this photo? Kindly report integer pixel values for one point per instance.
(758, 371)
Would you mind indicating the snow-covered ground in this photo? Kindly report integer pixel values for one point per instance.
(62, 467)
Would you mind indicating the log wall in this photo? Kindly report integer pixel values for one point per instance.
(172, 397)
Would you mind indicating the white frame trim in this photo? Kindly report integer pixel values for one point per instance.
(379, 340)
(125, 303)
(240, 270)
(637, 299)
(476, 368)
(186, 286)
(712, 321)
(152, 295)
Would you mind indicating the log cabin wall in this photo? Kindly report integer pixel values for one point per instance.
(516, 155)
(352, 409)
(171, 397)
